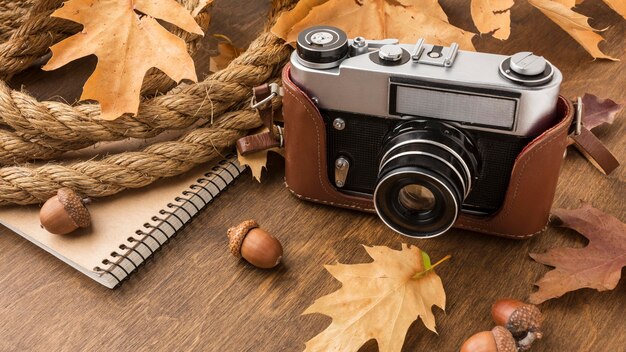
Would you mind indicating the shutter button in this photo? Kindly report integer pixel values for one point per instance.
(527, 64)
(390, 52)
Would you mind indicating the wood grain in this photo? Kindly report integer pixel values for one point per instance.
(195, 296)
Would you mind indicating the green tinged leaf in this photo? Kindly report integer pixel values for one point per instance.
(427, 266)
(426, 260)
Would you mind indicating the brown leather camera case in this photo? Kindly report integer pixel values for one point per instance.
(528, 199)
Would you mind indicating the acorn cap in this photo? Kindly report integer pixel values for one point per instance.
(520, 318)
(74, 206)
(526, 318)
(237, 234)
(504, 340)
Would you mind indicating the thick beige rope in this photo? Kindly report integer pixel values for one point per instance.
(12, 14)
(97, 178)
(36, 33)
(41, 126)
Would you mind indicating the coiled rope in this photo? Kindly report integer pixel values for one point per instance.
(44, 130)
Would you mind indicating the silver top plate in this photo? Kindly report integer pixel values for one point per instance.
(362, 86)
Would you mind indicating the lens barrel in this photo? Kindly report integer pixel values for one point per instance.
(425, 173)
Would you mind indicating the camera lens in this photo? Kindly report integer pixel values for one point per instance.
(416, 197)
(426, 170)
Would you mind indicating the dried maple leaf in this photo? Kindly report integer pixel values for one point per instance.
(127, 44)
(569, 3)
(618, 6)
(378, 300)
(288, 19)
(599, 111)
(202, 4)
(405, 20)
(492, 16)
(574, 24)
(598, 265)
(227, 53)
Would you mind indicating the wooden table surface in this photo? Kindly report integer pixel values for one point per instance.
(195, 296)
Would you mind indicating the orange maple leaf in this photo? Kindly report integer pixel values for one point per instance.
(492, 16)
(575, 24)
(379, 300)
(128, 40)
(405, 20)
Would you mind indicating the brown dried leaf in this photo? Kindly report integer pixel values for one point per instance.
(569, 3)
(128, 40)
(288, 19)
(598, 265)
(378, 300)
(574, 24)
(227, 53)
(492, 16)
(599, 111)
(202, 4)
(404, 20)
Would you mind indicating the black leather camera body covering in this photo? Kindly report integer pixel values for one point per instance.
(363, 136)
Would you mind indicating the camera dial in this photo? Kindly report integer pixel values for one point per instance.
(321, 38)
(322, 47)
(527, 69)
(426, 171)
(390, 52)
(527, 64)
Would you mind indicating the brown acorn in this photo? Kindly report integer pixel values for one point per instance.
(64, 213)
(255, 245)
(523, 320)
(499, 339)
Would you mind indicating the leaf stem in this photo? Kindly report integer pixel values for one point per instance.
(422, 273)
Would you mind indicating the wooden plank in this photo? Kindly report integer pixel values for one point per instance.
(195, 296)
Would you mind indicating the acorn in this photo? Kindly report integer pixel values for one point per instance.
(64, 213)
(255, 245)
(499, 339)
(523, 320)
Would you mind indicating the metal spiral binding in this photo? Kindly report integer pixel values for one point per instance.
(182, 210)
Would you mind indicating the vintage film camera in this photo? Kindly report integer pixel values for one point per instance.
(427, 134)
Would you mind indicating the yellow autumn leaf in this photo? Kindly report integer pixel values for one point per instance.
(405, 20)
(128, 41)
(378, 300)
(492, 16)
(575, 24)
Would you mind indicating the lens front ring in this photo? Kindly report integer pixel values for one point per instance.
(468, 178)
(433, 161)
(390, 211)
(456, 172)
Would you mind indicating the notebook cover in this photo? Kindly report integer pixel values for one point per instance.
(114, 219)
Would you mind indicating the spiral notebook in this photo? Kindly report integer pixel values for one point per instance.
(128, 228)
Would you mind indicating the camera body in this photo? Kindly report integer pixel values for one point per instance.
(422, 132)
